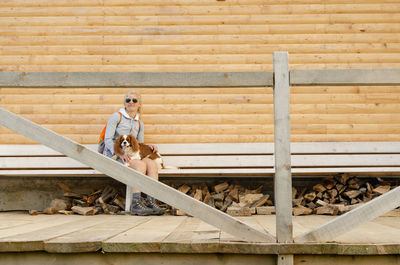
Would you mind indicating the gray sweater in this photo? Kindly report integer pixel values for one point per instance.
(127, 125)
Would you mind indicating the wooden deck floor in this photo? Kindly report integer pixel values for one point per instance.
(20, 232)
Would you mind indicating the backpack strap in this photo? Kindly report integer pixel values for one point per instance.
(120, 117)
(139, 121)
(103, 132)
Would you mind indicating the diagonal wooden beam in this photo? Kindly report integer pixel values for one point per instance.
(354, 218)
(132, 178)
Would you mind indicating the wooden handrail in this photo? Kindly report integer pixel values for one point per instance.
(345, 77)
(135, 79)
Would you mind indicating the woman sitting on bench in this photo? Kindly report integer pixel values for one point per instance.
(125, 122)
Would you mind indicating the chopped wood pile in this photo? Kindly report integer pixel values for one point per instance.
(106, 200)
(233, 199)
(335, 195)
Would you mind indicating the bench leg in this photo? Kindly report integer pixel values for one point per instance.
(128, 198)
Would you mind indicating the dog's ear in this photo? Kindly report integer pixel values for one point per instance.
(134, 143)
(117, 145)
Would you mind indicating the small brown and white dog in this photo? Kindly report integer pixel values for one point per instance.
(128, 145)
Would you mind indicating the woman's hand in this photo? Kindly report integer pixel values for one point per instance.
(154, 148)
(125, 158)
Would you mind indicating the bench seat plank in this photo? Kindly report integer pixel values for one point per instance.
(179, 161)
(231, 148)
(262, 172)
(31, 150)
(221, 161)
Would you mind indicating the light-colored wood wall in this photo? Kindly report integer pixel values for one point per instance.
(203, 35)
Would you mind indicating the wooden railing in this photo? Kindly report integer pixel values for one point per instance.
(280, 79)
(285, 78)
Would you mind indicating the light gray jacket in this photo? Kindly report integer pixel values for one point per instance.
(127, 125)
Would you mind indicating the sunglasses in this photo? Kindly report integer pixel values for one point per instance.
(134, 100)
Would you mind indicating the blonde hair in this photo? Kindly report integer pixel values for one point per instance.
(137, 93)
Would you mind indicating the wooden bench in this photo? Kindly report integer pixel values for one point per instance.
(221, 159)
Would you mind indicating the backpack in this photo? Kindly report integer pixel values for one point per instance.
(101, 145)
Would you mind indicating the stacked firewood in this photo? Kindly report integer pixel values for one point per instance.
(106, 200)
(233, 199)
(337, 195)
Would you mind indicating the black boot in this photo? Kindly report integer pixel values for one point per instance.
(151, 203)
(137, 207)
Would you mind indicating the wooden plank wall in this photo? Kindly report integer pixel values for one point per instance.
(203, 35)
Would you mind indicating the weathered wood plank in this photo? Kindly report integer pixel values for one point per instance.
(179, 161)
(90, 239)
(354, 218)
(220, 162)
(192, 236)
(145, 237)
(250, 221)
(261, 172)
(372, 231)
(40, 222)
(283, 177)
(229, 148)
(345, 147)
(131, 177)
(336, 77)
(388, 221)
(52, 173)
(193, 230)
(7, 223)
(134, 79)
(267, 222)
(34, 240)
(302, 224)
(347, 244)
(32, 150)
(367, 233)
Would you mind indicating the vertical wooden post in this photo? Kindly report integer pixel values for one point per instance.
(128, 198)
(283, 176)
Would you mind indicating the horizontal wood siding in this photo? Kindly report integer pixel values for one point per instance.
(203, 36)
(106, 35)
(178, 115)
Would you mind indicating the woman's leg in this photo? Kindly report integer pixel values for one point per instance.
(137, 207)
(152, 172)
(151, 168)
(138, 165)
